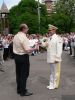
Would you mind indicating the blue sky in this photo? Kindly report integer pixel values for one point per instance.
(10, 3)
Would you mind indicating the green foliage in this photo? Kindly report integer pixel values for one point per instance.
(65, 11)
(26, 12)
(61, 21)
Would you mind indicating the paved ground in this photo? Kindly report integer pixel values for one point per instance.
(38, 80)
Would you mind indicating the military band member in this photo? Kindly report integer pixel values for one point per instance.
(54, 51)
(21, 51)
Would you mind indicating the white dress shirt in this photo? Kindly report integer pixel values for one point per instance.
(20, 43)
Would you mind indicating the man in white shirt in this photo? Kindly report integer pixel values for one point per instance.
(21, 51)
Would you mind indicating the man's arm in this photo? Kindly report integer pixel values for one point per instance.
(27, 48)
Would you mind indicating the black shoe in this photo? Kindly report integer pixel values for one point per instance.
(18, 92)
(27, 94)
(2, 70)
(70, 54)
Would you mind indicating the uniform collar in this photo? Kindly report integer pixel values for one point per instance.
(53, 36)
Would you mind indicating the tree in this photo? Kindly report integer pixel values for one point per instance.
(26, 12)
(61, 21)
(67, 8)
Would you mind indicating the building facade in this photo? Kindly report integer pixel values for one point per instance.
(50, 5)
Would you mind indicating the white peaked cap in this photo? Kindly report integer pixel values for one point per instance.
(52, 27)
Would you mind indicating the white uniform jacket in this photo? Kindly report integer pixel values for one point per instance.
(54, 49)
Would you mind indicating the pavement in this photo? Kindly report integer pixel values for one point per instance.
(39, 79)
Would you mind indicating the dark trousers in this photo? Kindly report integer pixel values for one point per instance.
(11, 54)
(6, 53)
(70, 48)
(22, 72)
(63, 46)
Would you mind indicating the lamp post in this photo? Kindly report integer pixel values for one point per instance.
(39, 16)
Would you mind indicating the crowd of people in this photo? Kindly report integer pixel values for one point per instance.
(6, 47)
(6, 44)
(69, 43)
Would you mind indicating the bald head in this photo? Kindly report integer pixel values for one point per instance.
(23, 26)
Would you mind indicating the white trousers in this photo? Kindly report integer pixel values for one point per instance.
(55, 74)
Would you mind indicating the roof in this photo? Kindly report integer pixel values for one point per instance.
(4, 8)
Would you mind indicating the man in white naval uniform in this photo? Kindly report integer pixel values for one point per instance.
(54, 51)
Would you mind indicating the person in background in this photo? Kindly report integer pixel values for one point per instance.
(36, 41)
(69, 42)
(65, 43)
(21, 51)
(1, 55)
(6, 48)
(11, 54)
(72, 44)
(32, 44)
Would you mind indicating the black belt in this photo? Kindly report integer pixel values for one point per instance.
(21, 55)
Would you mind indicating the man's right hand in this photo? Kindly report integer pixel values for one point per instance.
(36, 47)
